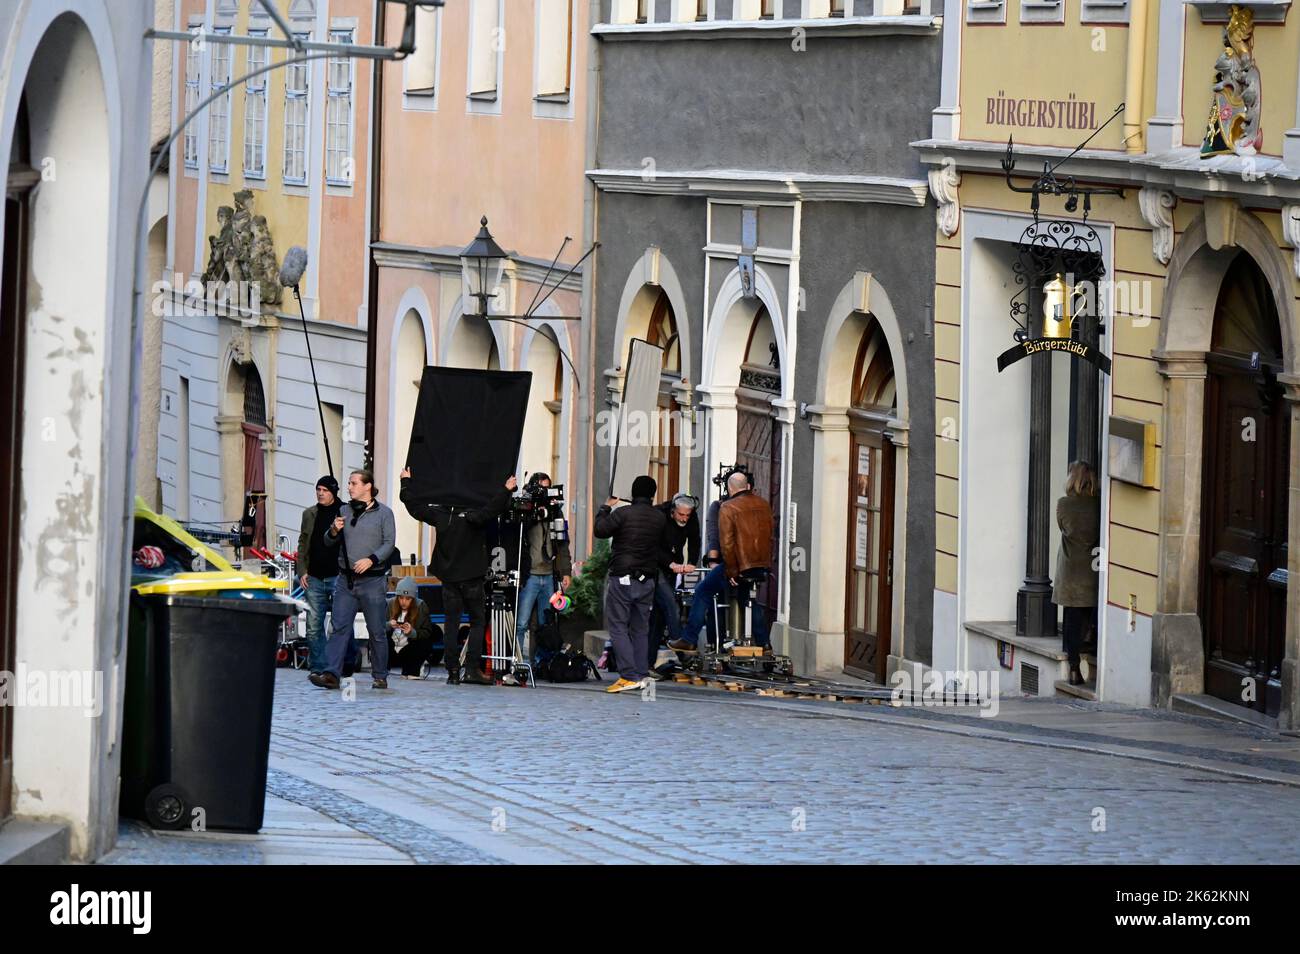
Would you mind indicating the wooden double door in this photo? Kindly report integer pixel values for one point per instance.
(1244, 483)
(758, 447)
(870, 583)
(1244, 533)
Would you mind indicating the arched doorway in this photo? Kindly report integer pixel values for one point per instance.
(665, 450)
(22, 178)
(870, 564)
(1243, 585)
(541, 444)
(473, 345)
(758, 438)
(246, 491)
(409, 360)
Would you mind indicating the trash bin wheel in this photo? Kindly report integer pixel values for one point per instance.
(167, 808)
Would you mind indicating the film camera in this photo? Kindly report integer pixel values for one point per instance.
(724, 474)
(535, 502)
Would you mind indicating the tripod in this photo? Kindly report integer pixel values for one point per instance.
(505, 652)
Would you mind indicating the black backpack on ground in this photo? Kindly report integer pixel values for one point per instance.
(567, 665)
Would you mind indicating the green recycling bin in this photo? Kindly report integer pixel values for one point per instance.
(197, 724)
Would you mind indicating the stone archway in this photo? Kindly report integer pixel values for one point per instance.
(1196, 272)
(861, 304)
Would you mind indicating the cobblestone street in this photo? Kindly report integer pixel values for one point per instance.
(432, 773)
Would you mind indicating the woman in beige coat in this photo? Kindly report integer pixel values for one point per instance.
(1078, 514)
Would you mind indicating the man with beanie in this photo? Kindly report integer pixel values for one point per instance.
(317, 565)
(637, 532)
(460, 562)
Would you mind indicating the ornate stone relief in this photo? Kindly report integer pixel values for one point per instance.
(943, 186)
(1157, 207)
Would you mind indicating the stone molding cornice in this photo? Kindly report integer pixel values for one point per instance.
(447, 261)
(776, 29)
(1257, 180)
(1180, 364)
(886, 190)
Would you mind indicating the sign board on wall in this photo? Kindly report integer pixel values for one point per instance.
(1131, 451)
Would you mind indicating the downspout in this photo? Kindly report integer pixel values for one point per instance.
(372, 267)
(1134, 74)
(590, 234)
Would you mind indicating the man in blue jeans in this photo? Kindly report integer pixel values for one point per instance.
(363, 535)
(317, 565)
(715, 582)
(542, 561)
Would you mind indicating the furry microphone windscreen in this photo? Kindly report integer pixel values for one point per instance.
(295, 263)
(466, 434)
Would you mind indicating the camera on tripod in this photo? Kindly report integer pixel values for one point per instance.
(724, 474)
(536, 503)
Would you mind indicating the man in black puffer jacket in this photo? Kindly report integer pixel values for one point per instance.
(460, 562)
(638, 536)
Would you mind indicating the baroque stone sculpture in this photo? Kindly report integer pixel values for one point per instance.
(1233, 126)
(243, 251)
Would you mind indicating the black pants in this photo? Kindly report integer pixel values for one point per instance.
(412, 658)
(1078, 622)
(457, 598)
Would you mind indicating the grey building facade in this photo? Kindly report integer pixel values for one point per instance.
(761, 215)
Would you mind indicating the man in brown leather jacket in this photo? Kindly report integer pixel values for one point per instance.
(745, 533)
(744, 529)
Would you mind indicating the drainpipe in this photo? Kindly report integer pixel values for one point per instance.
(372, 268)
(1134, 73)
(587, 396)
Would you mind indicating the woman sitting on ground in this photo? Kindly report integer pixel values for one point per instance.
(410, 629)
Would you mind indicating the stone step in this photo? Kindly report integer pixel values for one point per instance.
(25, 842)
(1087, 691)
(1215, 708)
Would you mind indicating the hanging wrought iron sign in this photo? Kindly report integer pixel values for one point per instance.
(1070, 252)
(1065, 256)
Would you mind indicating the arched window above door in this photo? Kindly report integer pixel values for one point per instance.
(662, 331)
(873, 371)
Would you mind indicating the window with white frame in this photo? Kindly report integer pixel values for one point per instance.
(338, 114)
(219, 109)
(1042, 11)
(986, 11)
(295, 121)
(421, 70)
(1104, 11)
(255, 111)
(192, 65)
(485, 45)
(554, 46)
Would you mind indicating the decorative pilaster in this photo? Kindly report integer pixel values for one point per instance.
(1291, 233)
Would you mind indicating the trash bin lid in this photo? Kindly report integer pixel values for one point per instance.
(214, 582)
(230, 602)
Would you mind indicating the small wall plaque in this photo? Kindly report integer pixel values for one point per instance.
(1132, 451)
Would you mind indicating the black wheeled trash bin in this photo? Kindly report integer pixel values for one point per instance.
(197, 725)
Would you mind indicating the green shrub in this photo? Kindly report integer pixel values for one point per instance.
(588, 589)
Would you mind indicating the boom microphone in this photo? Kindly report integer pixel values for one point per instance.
(295, 263)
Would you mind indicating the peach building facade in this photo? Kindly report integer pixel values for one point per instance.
(485, 119)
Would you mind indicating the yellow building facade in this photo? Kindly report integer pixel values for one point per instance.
(1199, 425)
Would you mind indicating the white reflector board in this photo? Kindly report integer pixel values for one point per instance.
(636, 417)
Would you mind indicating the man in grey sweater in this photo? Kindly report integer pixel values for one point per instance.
(365, 534)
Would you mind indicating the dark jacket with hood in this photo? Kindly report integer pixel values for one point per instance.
(460, 551)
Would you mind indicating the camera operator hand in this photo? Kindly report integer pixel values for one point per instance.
(564, 583)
